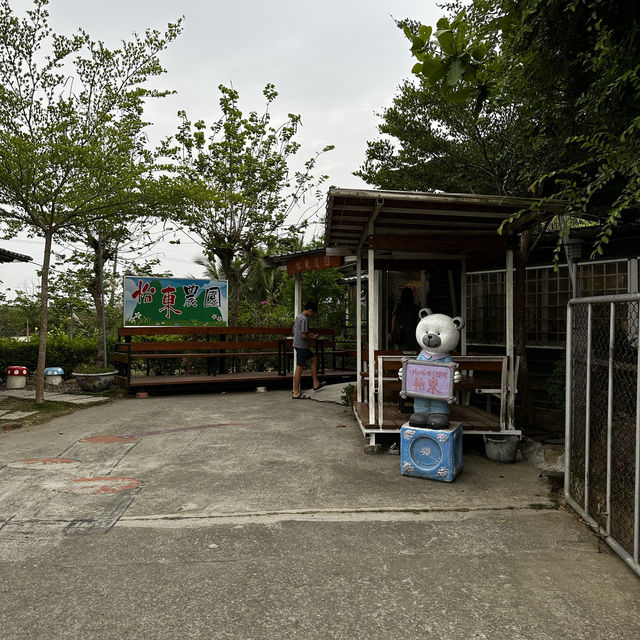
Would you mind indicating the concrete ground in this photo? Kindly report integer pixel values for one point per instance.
(251, 515)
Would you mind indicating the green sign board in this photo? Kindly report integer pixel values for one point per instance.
(175, 302)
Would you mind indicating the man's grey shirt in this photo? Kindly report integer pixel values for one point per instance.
(300, 326)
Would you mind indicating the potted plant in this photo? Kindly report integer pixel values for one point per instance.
(94, 377)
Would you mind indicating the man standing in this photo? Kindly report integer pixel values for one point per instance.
(304, 355)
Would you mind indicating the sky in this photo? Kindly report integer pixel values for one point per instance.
(337, 63)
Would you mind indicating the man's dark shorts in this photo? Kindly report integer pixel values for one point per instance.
(303, 356)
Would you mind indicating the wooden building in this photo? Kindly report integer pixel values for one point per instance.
(386, 232)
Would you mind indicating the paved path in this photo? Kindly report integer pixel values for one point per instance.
(250, 515)
(53, 396)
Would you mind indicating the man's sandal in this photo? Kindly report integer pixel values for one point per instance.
(300, 396)
(322, 384)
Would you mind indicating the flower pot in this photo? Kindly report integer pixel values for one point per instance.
(501, 448)
(94, 381)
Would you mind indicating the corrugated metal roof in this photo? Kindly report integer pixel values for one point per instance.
(444, 222)
(10, 256)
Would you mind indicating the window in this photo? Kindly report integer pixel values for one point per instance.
(485, 307)
(547, 295)
(603, 278)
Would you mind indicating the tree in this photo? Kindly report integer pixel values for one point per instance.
(71, 132)
(242, 187)
(105, 245)
(593, 47)
(431, 143)
(573, 65)
(92, 275)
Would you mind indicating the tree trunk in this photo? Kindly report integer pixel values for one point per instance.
(94, 288)
(234, 297)
(233, 279)
(102, 338)
(44, 316)
(98, 301)
(520, 259)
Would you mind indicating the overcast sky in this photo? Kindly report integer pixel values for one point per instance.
(335, 62)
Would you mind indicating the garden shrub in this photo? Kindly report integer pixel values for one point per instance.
(62, 351)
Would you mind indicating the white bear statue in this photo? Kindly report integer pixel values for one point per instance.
(438, 335)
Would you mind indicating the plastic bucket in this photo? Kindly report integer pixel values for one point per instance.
(501, 448)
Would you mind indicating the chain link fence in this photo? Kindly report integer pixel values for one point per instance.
(602, 476)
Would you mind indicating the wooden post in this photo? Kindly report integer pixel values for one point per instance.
(297, 310)
(423, 289)
(511, 375)
(463, 304)
(372, 306)
(359, 326)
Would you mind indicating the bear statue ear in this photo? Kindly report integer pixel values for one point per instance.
(459, 322)
(423, 313)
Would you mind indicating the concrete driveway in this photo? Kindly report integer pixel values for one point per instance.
(250, 515)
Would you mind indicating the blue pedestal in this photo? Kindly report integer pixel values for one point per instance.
(431, 453)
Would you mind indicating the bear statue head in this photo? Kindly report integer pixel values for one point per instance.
(437, 333)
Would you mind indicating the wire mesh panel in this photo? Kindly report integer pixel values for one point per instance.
(598, 407)
(578, 417)
(623, 431)
(602, 421)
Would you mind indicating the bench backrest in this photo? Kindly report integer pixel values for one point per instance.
(128, 332)
(481, 363)
(195, 345)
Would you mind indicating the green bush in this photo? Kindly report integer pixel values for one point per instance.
(62, 351)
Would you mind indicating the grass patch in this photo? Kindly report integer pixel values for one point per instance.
(48, 410)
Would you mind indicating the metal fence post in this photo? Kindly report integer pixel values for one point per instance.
(568, 400)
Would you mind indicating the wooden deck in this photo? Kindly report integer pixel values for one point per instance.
(269, 379)
(472, 418)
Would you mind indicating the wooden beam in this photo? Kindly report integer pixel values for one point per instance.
(435, 242)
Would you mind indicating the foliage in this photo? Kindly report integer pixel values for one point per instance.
(242, 187)
(90, 367)
(71, 132)
(456, 59)
(88, 281)
(347, 395)
(598, 42)
(62, 352)
(572, 66)
(431, 144)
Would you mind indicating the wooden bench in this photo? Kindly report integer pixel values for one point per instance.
(217, 345)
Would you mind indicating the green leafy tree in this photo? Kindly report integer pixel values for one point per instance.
(585, 53)
(86, 285)
(573, 68)
(19, 316)
(242, 187)
(101, 248)
(71, 132)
